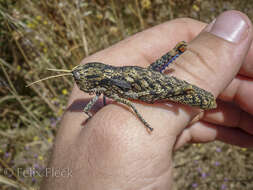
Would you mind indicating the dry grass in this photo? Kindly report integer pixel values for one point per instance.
(36, 35)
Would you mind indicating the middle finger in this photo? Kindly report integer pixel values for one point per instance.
(230, 115)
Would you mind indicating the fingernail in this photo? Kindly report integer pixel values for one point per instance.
(230, 26)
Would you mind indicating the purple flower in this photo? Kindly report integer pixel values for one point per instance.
(7, 154)
(33, 179)
(194, 185)
(53, 121)
(218, 149)
(57, 104)
(217, 163)
(203, 175)
(223, 186)
(26, 147)
(36, 166)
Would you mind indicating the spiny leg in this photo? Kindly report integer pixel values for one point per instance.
(129, 103)
(90, 104)
(161, 63)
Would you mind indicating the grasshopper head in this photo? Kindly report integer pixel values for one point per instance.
(88, 77)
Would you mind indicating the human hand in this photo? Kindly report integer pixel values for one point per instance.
(114, 151)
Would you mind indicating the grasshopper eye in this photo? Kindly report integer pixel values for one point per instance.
(76, 74)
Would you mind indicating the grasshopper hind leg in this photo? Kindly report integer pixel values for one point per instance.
(162, 63)
(117, 99)
(130, 104)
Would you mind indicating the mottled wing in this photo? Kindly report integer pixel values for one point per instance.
(121, 83)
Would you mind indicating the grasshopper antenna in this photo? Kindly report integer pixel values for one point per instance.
(60, 70)
(65, 74)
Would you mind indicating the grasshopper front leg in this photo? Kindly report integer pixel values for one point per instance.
(90, 104)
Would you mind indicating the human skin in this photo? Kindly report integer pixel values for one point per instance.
(112, 150)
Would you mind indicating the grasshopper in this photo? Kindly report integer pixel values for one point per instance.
(127, 83)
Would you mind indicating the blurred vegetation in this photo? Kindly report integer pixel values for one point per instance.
(36, 35)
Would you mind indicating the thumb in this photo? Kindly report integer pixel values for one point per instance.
(211, 62)
(216, 55)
